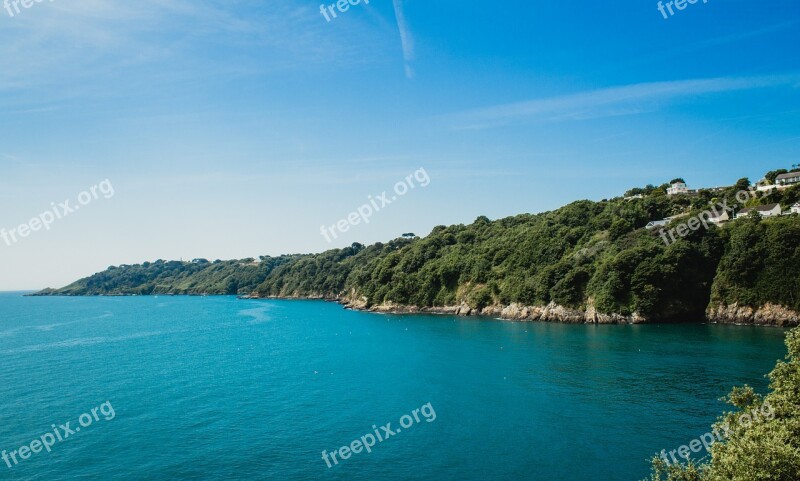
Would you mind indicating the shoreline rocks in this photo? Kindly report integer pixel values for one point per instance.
(513, 312)
(769, 315)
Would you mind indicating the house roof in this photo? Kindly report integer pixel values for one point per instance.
(790, 175)
(760, 208)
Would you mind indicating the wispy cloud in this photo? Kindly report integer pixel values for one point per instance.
(405, 37)
(613, 101)
(90, 48)
(713, 42)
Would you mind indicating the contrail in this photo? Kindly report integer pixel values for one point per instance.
(405, 37)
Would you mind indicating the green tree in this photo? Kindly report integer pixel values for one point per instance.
(764, 441)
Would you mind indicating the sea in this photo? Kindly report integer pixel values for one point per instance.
(220, 388)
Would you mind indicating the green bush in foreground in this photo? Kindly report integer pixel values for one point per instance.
(763, 451)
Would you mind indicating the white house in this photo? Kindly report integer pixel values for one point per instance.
(770, 210)
(795, 208)
(719, 218)
(765, 186)
(792, 178)
(657, 223)
(678, 188)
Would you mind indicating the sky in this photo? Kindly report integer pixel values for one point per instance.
(233, 129)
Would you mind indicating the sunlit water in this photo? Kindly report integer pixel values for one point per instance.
(220, 388)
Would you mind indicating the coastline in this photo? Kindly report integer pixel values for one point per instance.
(769, 315)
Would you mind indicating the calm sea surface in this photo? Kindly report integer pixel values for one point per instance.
(220, 388)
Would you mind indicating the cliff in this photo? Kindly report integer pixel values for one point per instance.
(767, 315)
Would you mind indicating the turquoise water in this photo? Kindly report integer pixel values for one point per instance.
(220, 388)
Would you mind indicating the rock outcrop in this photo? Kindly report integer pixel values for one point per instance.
(514, 312)
(767, 315)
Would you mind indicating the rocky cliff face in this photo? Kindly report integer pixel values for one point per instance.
(767, 315)
(515, 312)
(556, 313)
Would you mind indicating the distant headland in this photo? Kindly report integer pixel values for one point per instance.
(728, 258)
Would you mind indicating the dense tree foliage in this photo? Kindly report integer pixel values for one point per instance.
(761, 263)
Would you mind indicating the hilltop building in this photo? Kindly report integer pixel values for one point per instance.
(788, 179)
(719, 217)
(656, 223)
(770, 210)
(678, 188)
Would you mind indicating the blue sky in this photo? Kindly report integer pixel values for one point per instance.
(235, 128)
